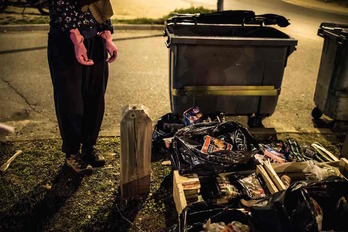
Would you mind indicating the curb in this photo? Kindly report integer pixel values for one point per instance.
(45, 27)
(309, 6)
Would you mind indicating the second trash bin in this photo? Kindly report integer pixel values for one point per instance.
(227, 62)
(331, 93)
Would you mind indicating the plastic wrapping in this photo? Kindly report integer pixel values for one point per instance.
(321, 171)
(285, 211)
(194, 217)
(193, 116)
(305, 206)
(252, 187)
(332, 196)
(288, 151)
(166, 127)
(188, 157)
(294, 151)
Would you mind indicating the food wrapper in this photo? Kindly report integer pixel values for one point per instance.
(252, 187)
(274, 156)
(236, 226)
(226, 188)
(193, 116)
(239, 139)
(212, 144)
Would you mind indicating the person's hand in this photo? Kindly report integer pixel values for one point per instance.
(110, 46)
(80, 49)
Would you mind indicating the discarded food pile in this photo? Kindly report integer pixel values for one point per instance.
(225, 180)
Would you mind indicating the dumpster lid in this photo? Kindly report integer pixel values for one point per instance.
(240, 17)
(338, 31)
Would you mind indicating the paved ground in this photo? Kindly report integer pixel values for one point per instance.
(140, 75)
(158, 8)
(339, 7)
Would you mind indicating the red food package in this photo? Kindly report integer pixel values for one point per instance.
(212, 144)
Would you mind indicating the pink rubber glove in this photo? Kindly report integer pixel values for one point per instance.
(80, 49)
(110, 46)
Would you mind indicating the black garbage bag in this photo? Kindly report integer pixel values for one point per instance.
(194, 217)
(285, 211)
(332, 196)
(191, 154)
(166, 127)
(296, 209)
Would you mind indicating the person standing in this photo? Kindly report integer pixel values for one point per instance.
(80, 47)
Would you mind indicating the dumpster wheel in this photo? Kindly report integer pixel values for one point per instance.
(255, 121)
(316, 113)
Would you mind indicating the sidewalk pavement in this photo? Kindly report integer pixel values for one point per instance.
(333, 6)
(154, 8)
(159, 8)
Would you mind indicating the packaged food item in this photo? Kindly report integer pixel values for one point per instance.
(191, 186)
(239, 140)
(252, 187)
(214, 227)
(227, 189)
(273, 155)
(193, 116)
(293, 149)
(212, 144)
(236, 226)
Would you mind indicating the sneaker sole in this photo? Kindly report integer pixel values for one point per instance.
(87, 171)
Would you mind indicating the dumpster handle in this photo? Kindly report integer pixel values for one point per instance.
(226, 91)
(169, 40)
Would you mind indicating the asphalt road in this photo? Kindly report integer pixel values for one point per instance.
(140, 75)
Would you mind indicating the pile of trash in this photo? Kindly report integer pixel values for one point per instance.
(232, 182)
(195, 139)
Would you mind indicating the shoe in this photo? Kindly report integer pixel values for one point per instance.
(93, 157)
(75, 162)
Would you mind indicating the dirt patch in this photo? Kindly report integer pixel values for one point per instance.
(38, 192)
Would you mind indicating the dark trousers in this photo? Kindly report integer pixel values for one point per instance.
(78, 90)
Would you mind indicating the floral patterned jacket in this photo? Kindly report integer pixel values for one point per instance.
(67, 14)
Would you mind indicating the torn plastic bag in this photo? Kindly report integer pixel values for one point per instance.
(188, 157)
(296, 208)
(285, 211)
(166, 127)
(332, 196)
(194, 217)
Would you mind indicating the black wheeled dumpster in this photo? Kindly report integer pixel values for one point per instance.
(331, 93)
(227, 62)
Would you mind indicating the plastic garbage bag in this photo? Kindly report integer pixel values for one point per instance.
(170, 123)
(166, 127)
(285, 211)
(305, 206)
(188, 157)
(321, 171)
(194, 217)
(332, 196)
